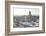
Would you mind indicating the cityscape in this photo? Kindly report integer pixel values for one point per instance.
(25, 21)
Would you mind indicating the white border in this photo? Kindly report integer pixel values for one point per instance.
(25, 29)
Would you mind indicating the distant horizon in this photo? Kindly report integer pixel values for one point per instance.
(26, 15)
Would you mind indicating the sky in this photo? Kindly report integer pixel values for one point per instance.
(24, 10)
(21, 11)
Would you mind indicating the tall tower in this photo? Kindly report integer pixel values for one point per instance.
(29, 13)
(30, 16)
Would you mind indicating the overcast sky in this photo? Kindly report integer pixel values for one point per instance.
(20, 10)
